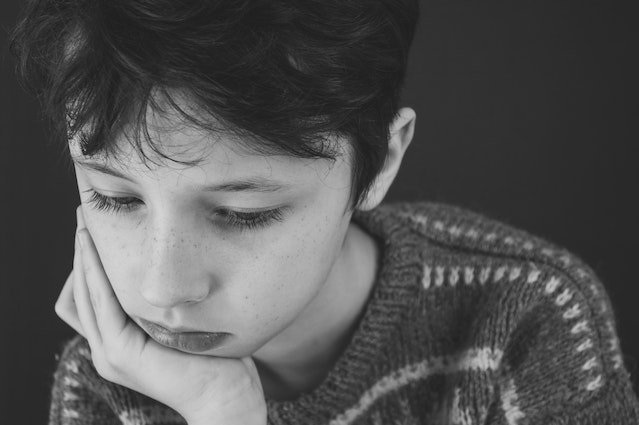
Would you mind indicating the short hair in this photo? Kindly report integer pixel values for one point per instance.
(285, 75)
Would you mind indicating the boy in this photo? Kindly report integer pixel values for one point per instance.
(233, 263)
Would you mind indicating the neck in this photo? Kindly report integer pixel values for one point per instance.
(300, 358)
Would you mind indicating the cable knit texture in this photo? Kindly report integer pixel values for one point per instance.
(470, 322)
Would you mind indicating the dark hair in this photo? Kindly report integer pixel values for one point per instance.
(285, 75)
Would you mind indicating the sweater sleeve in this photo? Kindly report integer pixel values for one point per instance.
(563, 363)
(80, 396)
(75, 396)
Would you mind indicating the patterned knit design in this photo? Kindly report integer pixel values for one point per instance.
(470, 322)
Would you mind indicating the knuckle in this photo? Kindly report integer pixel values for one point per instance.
(105, 367)
(59, 309)
(62, 309)
(101, 365)
(112, 357)
(88, 268)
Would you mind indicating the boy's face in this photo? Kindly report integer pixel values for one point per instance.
(240, 244)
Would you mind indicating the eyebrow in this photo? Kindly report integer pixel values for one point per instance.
(248, 184)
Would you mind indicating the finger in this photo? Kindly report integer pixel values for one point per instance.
(79, 216)
(83, 301)
(111, 319)
(81, 226)
(65, 306)
(252, 369)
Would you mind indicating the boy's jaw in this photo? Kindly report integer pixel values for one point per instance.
(301, 356)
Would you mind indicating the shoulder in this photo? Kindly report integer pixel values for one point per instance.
(537, 307)
(458, 227)
(448, 235)
(74, 366)
(76, 393)
(76, 378)
(454, 234)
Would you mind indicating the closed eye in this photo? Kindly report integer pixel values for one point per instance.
(243, 220)
(112, 204)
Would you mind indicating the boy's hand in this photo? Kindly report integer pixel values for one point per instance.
(203, 389)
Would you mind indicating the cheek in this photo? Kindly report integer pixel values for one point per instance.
(294, 270)
(115, 249)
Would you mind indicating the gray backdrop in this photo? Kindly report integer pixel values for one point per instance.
(527, 111)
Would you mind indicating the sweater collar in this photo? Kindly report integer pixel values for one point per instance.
(347, 380)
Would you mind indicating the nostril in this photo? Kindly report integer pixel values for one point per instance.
(169, 294)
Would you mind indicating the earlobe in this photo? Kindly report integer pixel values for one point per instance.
(401, 133)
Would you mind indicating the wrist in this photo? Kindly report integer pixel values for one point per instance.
(218, 421)
(255, 417)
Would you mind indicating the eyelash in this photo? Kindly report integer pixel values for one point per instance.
(237, 219)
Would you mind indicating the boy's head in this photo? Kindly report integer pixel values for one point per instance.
(217, 146)
(285, 76)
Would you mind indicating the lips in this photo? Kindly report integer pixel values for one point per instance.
(195, 342)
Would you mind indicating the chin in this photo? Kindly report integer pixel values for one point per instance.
(232, 350)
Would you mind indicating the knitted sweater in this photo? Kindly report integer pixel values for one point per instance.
(470, 321)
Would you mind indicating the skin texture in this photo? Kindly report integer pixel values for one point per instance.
(203, 389)
(288, 292)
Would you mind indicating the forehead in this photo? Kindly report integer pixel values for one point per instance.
(186, 154)
(174, 152)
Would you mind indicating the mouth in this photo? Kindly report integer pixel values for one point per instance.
(194, 342)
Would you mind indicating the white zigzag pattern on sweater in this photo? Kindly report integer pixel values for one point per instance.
(510, 403)
(149, 415)
(484, 358)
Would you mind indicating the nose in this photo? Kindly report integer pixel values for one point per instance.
(175, 275)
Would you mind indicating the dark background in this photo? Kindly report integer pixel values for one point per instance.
(527, 112)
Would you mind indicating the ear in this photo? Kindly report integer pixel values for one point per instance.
(401, 134)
